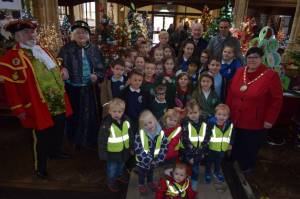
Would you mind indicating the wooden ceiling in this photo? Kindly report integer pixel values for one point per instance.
(264, 6)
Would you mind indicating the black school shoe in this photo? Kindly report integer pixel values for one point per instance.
(41, 174)
(275, 141)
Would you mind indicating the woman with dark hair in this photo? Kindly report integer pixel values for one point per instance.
(255, 99)
(185, 55)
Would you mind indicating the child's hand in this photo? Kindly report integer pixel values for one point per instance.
(191, 161)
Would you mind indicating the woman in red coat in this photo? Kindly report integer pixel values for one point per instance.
(255, 99)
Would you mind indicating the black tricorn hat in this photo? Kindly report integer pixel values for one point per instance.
(80, 24)
(18, 25)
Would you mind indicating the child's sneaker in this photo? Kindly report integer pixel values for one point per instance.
(207, 178)
(153, 186)
(194, 185)
(113, 188)
(142, 189)
(219, 177)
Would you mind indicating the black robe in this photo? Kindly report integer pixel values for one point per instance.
(82, 127)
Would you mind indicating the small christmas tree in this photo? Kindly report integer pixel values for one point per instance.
(26, 14)
(206, 18)
(65, 29)
(294, 55)
(226, 13)
(137, 24)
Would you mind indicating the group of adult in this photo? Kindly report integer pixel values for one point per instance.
(254, 95)
(43, 90)
(35, 85)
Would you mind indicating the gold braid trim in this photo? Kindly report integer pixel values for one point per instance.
(16, 106)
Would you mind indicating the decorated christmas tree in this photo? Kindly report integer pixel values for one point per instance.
(122, 35)
(225, 13)
(294, 59)
(206, 18)
(26, 14)
(65, 29)
(137, 24)
(107, 40)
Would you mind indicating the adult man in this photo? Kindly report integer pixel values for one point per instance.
(35, 93)
(217, 43)
(200, 43)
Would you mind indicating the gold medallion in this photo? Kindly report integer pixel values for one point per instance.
(244, 88)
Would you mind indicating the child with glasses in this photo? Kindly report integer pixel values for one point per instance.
(159, 104)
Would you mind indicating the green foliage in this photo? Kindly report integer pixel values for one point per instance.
(295, 54)
(225, 13)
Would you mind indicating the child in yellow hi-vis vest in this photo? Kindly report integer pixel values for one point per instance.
(150, 148)
(221, 131)
(194, 138)
(115, 142)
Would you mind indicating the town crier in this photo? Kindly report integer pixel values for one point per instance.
(35, 92)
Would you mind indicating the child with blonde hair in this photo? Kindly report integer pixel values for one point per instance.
(194, 139)
(221, 140)
(115, 141)
(172, 129)
(150, 149)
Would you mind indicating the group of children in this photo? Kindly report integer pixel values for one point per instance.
(167, 113)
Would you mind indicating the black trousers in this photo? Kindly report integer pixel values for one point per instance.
(246, 146)
(48, 142)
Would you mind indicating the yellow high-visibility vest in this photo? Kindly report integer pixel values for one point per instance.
(195, 138)
(145, 142)
(118, 138)
(174, 134)
(218, 140)
(180, 191)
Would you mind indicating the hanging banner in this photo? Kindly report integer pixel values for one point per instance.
(11, 4)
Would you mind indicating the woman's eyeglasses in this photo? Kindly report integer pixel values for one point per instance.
(253, 57)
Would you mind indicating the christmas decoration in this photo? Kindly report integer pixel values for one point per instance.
(266, 41)
(122, 35)
(293, 67)
(65, 29)
(49, 38)
(6, 40)
(108, 42)
(247, 33)
(26, 14)
(225, 13)
(136, 24)
(206, 18)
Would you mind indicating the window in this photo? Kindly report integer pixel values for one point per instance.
(62, 12)
(89, 13)
(160, 23)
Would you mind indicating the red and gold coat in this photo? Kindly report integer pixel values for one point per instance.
(23, 92)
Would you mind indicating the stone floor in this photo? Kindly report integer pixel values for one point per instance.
(84, 173)
(277, 174)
